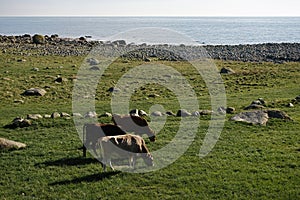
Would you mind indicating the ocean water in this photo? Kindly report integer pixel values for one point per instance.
(206, 30)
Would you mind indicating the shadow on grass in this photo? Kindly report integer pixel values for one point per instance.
(89, 178)
(69, 162)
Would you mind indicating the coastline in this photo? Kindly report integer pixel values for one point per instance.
(55, 45)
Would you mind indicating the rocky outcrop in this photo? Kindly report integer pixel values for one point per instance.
(254, 117)
(10, 144)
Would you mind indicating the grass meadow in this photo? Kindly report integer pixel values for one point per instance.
(248, 161)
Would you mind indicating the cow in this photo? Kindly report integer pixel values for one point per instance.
(93, 131)
(135, 124)
(128, 145)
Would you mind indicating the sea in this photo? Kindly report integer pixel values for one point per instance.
(204, 30)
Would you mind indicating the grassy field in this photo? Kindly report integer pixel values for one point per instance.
(248, 162)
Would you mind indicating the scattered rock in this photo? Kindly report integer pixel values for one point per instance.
(205, 112)
(47, 116)
(196, 114)
(113, 89)
(157, 114)
(153, 95)
(18, 101)
(18, 122)
(38, 39)
(77, 115)
(278, 114)
(227, 70)
(65, 115)
(94, 68)
(34, 116)
(170, 113)
(183, 113)
(11, 145)
(290, 105)
(93, 61)
(60, 80)
(257, 104)
(254, 117)
(55, 115)
(34, 92)
(90, 114)
(106, 114)
(221, 110)
(35, 69)
(230, 110)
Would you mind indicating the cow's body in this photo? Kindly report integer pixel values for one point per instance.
(126, 146)
(92, 132)
(135, 124)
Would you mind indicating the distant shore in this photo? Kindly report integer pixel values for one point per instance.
(55, 45)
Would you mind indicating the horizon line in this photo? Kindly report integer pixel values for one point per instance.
(150, 16)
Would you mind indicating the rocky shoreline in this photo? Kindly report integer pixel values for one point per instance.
(55, 45)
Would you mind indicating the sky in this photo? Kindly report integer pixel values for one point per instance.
(149, 7)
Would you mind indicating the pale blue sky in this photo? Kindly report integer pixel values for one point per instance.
(149, 7)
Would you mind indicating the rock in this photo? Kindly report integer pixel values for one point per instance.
(119, 42)
(113, 89)
(227, 70)
(290, 105)
(254, 106)
(47, 116)
(94, 68)
(10, 145)
(278, 114)
(38, 39)
(90, 114)
(156, 114)
(93, 61)
(297, 98)
(221, 110)
(77, 115)
(106, 114)
(34, 92)
(230, 110)
(34, 116)
(60, 80)
(183, 113)
(65, 115)
(170, 113)
(153, 95)
(196, 114)
(255, 117)
(205, 112)
(18, 101)
(18, 122)
(35, 69)
(55, 115)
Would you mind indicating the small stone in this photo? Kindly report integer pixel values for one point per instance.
(90, 114)
(77, 115)
(183, 113)
(156, 114)
(55, 115)
(64, 114)
(35, 69)
(170, 113)
(18, 101)
(196, 114)
(34, 92)
(227, 70)
(230, 110)
(47, 116)
(106, 114)
(290, 105)
(34, 116)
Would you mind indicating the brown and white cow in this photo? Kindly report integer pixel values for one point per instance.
(92, 132)
(129, 146)
(135, 124)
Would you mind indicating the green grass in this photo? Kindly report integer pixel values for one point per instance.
(248, 162)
